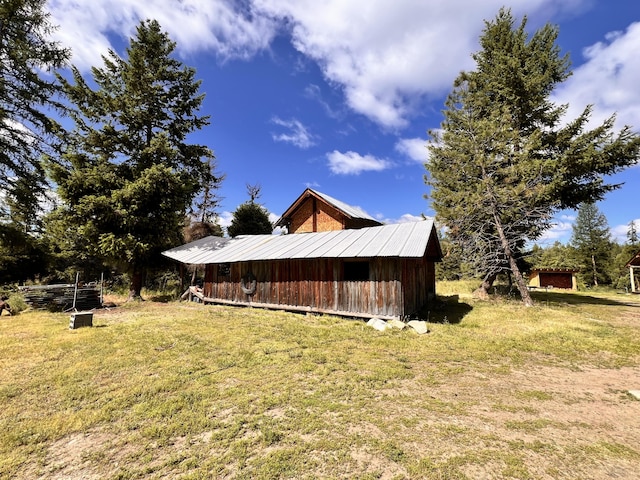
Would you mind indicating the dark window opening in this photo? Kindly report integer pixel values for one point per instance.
(356, 271)
(224, 270)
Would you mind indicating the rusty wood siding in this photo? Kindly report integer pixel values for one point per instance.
(322, 218)
(556, 279)
(210, 272)
(419, 283)
(318, 284)
(302, 219)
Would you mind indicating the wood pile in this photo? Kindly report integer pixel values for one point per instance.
(60, 297)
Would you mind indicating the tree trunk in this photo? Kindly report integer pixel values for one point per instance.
(482, 292)
(135, 286)
(595, 272)
(520, 283)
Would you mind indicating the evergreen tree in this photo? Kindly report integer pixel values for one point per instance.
(557, 255)
(22, 256)
(504, 163)
(250, 218)
(128, 175)
(591, 239)
(452, 265)
(206, 205)
(632, 234)
(25, 94)
(204, 221)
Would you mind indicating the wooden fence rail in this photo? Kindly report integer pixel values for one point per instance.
(60, 297)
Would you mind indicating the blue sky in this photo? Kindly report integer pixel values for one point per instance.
(338, 95)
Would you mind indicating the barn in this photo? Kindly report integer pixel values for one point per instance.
(385, 271)
(553, 277)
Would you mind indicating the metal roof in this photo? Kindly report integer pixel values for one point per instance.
(194, 252)
(353, 212)
(397, 240)
(349, 210)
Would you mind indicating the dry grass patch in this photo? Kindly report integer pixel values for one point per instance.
(181, 390)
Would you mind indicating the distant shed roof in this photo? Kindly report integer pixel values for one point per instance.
(349, 210)
(635, 260)
(555, 270)
(398, 240)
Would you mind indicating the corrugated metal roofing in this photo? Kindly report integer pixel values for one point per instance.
(353, 212)
(349, 210)
(398, 240)
(196, 252)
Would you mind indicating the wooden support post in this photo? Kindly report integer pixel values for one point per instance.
(75, 291)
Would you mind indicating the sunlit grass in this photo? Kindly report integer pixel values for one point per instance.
(193, 391)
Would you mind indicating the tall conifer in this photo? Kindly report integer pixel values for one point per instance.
(128, 174)
(27, 90)
(592, 241)
(504, 164)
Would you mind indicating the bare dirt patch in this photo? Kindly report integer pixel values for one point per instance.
(558, 416)
(73, 457)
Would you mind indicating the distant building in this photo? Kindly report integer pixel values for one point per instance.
(317, 212)
(633, 265)
(554, 278)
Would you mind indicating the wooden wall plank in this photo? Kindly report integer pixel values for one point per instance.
(397, 287)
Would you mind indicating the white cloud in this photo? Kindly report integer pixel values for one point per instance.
(313, 92)
(214, 25)
(385, 55)
(414, 148)
(608, 80)
(352, 163)
(298, 134)
(561, 230)
(225, 219)
(405, 218)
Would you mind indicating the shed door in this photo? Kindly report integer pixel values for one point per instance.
(556, 280)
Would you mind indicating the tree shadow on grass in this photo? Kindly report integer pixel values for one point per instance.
(542, 297)
(162, 297)
(446, 309)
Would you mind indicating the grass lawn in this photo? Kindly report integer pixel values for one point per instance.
(182, 390)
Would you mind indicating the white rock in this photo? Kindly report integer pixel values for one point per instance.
(379, 324)
(419, 326)
(397, 323)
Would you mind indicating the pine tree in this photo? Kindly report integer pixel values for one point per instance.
(592, 241)
(203, 220)
(128, 175)
(250, 218)
(632, 234)
(504, 164)
(25, 95)
(557, 255)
